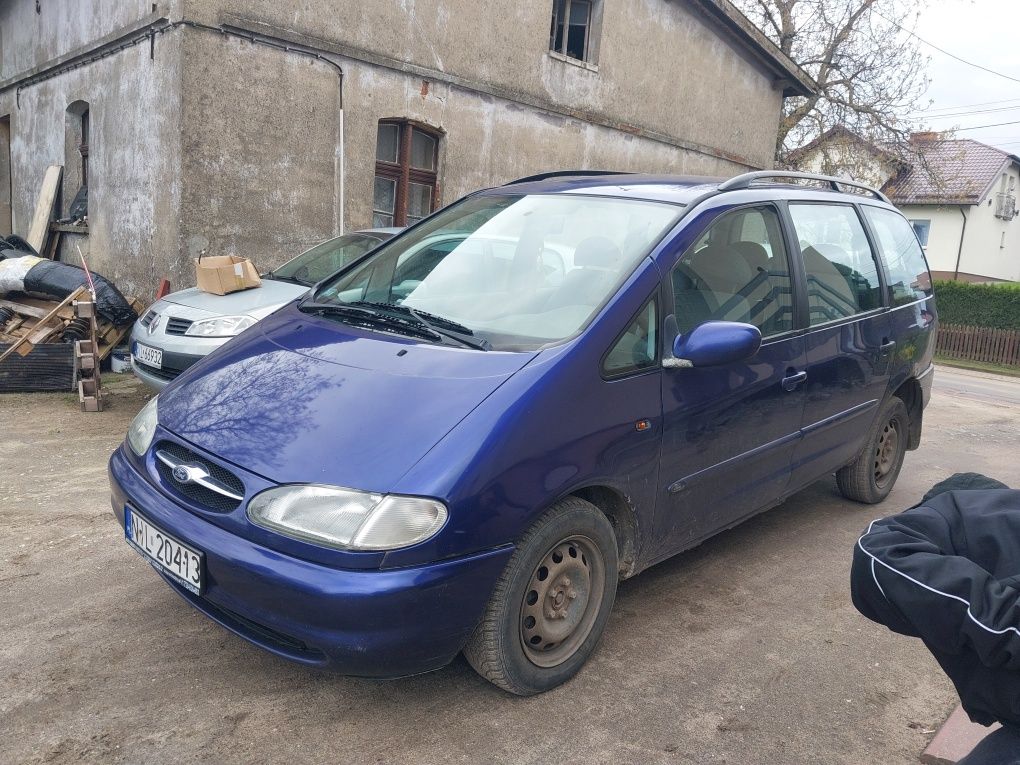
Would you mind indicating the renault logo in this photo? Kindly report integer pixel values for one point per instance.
(153, 324)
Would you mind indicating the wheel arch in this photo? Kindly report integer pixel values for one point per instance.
(617, 508)
(911, 395)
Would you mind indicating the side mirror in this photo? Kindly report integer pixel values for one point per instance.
(715, 343)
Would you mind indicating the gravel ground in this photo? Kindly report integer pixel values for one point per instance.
(744, 651)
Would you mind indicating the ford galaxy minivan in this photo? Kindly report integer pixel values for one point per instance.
(464, 439)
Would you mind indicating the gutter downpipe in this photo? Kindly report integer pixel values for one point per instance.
(959, 251)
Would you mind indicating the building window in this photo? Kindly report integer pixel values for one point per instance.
(921, 229)
(406, 177)
(573, 27)
(76, 161)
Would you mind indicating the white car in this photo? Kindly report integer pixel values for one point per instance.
(185, 326)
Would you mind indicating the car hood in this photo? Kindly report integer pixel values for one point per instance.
(257, 302)
(304, 399)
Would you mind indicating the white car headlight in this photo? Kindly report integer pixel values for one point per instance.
(220, 326)
(347, 519)
(143, 427)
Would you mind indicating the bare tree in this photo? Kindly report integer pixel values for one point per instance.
(869, 70)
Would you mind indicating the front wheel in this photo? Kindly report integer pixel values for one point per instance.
(550, 605)
(870, 477)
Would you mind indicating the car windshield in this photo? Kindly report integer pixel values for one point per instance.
(514, 272)
(314, 265)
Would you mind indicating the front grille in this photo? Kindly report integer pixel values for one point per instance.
(148, 317)
(162, 374)
(200, 495)
(175, 326)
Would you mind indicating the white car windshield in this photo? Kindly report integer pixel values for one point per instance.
(512, 272)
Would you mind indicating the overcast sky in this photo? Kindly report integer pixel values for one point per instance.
(986, 32)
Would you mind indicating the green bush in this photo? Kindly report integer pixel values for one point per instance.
(979, 305)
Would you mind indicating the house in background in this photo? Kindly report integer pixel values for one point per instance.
(959, 194)
(261, 127)
(841, 152)
(962, 203)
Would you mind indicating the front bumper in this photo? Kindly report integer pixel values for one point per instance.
(386, 623)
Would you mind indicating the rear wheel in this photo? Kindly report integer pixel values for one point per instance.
(550, 605)
(871, 476)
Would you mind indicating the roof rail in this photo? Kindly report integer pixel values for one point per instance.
(744, 181)
(562, 173)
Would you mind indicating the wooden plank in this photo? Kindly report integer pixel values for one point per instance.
(39, 227)
(22, 308)
(66, 301)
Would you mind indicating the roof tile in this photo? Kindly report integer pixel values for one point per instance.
(949, 172)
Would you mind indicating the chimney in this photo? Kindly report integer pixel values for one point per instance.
(928, 136)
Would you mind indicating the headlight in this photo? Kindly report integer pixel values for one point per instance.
(221, 326)
(347, 519)
(143, 426)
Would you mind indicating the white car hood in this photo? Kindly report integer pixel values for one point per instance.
(257, 302)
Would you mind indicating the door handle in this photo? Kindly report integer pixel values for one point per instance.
(790, 383)
(888, 345)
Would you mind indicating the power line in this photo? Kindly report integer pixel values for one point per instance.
(979, 127)
(944, 51)
(929, 116)
(967, 106)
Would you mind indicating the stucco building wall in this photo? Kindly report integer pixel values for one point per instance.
(209, 137)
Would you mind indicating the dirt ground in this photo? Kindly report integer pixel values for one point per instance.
(746, 650)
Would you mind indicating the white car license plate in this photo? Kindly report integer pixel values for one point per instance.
(152, 357)
(168, 555)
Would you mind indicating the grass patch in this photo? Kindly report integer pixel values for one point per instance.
(978, 366)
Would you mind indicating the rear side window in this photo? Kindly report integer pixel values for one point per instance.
(909, 279)
(842, 274)
(736, 271)
(636, 348)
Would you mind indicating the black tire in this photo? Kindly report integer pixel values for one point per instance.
(871, 476)
(573, 539)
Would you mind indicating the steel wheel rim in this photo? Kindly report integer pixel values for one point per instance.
(886, 452)
(562, 601)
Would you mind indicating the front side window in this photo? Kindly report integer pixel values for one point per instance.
(406, 165)
(905, 265)
(517, 272)
(571, 33)
(637, 347)
(737, 271)
(921, 229)
(842, 274)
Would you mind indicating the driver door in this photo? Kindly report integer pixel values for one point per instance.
(729, 431)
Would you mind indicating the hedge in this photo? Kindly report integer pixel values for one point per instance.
(979, 305)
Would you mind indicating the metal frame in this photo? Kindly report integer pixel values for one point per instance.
(744, 181)
(565, 173)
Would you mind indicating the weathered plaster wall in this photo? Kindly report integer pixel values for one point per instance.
(134, 161)
(32, 37)
(261, 151)
(487, 141)
(661, 66)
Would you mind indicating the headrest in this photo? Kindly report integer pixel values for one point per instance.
(753, 254)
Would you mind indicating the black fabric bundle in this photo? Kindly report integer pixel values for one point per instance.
(59, 280)
(948, 572)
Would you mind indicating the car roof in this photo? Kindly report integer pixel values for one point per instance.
(382, 231)
(686, 189)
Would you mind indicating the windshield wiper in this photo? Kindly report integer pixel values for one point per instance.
(370, 319)
(445, 327)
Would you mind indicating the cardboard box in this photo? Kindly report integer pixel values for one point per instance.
(220, 274)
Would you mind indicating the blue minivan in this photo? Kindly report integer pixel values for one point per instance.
(464, 439)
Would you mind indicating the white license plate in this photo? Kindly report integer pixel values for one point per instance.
(152, 357)
(179, 561)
